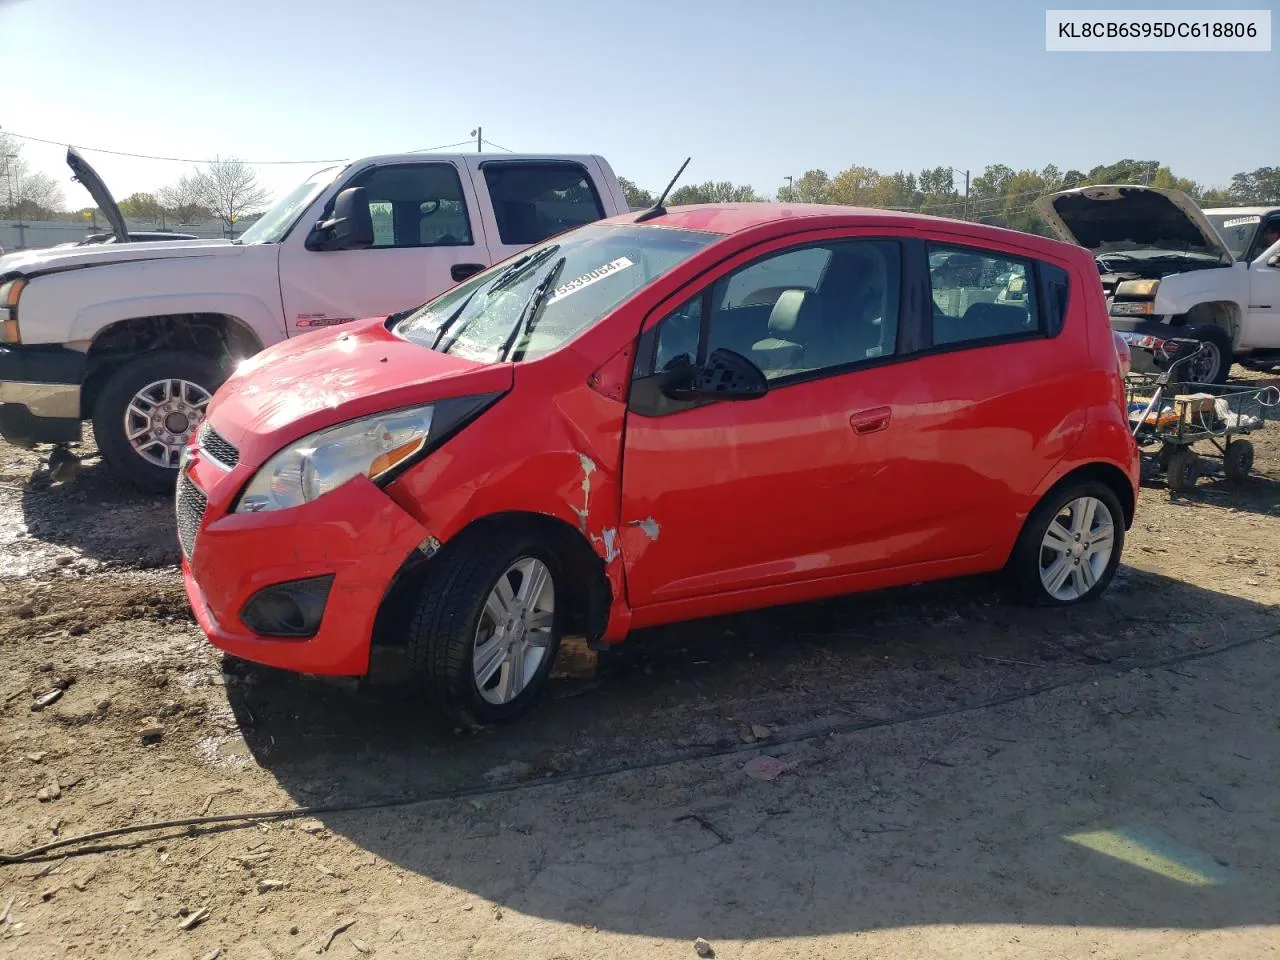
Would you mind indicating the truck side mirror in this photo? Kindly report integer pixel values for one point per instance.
(1274, 260)
(349, 227)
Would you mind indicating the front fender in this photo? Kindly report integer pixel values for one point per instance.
(268, 325)
(1180, 292)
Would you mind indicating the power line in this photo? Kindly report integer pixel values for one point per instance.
(147, 156)
(498, 145)
(443, 146)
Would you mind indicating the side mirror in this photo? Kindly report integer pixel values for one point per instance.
(725, 376)
(349, 228)
(1274, 261)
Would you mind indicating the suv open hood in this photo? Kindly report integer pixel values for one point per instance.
(1113, 218)
(89, 179)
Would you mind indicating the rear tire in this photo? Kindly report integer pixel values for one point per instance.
(1076, 533)
(141, 425)
(455, 614)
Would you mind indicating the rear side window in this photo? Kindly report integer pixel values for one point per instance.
(980, 296)
(1054, 294)
(533, 201)
(416, 205)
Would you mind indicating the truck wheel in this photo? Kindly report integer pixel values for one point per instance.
(1181, 472)
(1070, 546)
(487, 626)
(148, 409)
(1237, 460)
(1213, 365)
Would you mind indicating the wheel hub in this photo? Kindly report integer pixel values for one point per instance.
(514, 631)
(160, 417)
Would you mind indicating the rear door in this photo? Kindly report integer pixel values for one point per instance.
(426, 238)
(524, 202)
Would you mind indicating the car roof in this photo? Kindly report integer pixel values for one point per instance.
(736, 218)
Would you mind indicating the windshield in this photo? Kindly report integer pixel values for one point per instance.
(593, 268)
(1237, 231)
(276, 222)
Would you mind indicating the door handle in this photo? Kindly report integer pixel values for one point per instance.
(460, 271)
(870, 421)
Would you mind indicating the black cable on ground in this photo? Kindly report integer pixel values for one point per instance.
(9, 859)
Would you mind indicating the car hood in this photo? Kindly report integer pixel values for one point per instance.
(32, 263)
(1117, 218)
(324, 378)
(89, 179)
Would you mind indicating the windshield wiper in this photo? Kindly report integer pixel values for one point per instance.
(529, 314)
(449, 321)
(520, 265)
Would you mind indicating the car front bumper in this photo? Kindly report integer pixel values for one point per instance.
(40, 394)
(356, 534)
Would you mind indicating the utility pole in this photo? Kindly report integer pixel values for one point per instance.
(966, 195)
(478, 133)
(791, 189)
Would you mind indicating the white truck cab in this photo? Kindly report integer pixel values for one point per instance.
(1169, 269)
(136, 336)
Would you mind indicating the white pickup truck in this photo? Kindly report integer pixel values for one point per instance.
(137, 336)
(1169, 269)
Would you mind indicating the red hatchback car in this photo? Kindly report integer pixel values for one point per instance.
(714, 409)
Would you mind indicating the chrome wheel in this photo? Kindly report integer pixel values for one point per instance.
(161, 417)
(514, 632)
(1077, 548)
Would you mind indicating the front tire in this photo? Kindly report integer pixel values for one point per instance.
(147, 411)
(487, 626)
(1237, 460)
(1070, 546)
(1214, 364)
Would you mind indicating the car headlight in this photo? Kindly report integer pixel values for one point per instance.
(9, 295)
(371, 446)
(1137, 288)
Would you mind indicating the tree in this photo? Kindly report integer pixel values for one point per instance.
(635, 196)
(1259, 186)
(813, 187)
(142, 206)
(25, 194)
(181, 201)
(721, 191)
(230, 189)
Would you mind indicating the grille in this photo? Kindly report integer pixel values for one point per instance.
(217, 446)
(190, 504)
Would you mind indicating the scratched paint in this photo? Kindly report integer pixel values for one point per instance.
(610, 544)
(588, 468)
(648, 526)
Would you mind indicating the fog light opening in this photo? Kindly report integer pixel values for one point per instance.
(291, 609)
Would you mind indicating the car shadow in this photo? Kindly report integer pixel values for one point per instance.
(622, 802)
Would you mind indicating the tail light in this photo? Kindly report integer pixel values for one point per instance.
(1122, 353)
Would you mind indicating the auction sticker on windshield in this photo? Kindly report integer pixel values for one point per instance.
(590, 277)
(1241, 221)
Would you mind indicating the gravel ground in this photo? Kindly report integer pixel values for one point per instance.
(938, 746)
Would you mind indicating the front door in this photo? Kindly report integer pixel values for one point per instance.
(426, 238)
(1263, 323)
(801, 484)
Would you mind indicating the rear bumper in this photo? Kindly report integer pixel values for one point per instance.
(40, 394)
(356, 534)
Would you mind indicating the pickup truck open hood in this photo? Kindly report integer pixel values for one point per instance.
(1113, 218)
(33, 263)
(89, 179)
(327, 377)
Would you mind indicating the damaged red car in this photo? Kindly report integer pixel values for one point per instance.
(655, 418)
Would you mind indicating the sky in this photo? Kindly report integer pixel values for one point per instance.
(754, 91)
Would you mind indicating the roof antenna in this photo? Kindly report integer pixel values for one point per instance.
(658, 209)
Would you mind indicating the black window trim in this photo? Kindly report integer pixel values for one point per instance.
(540, 162)
(1036, 287)
(409, 164)
(912, 315)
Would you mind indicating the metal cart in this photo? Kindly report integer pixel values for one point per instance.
(1175, 415)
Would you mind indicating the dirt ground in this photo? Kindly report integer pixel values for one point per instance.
(960, 778)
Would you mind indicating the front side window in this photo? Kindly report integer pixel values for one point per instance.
(794, 314)
(1238, 231)
(416, 205)
(534, 303)
(534, 201)
(980, 296)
